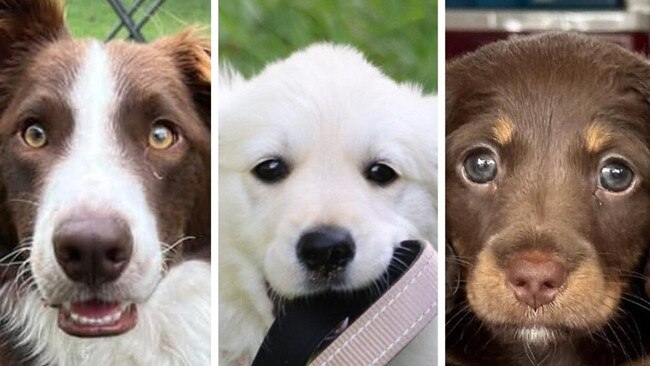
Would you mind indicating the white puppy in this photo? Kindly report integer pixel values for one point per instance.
(325, 166)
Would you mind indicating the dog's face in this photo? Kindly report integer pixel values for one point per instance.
(100, 146)
(547, 194)
(326, 166)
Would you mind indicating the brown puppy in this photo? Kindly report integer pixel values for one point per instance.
(547, 201)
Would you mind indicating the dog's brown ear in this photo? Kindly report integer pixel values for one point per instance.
(25, 26)
(636, 77)
(30, 20)
(191, 53)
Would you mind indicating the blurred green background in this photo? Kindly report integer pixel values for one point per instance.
(96, 18)
(399, 36)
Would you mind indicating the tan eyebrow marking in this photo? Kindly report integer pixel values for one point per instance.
(503, 130)
(597, 136)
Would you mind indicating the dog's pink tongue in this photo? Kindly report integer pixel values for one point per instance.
(94, 308)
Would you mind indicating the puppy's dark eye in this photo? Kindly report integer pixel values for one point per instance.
(381, 174)
(481, 167)
(615, 177)
(271, 170)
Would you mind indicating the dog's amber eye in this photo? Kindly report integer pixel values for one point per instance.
(481, 167)
(161, 137)
(271, 170)
(381, 174)
(615, 177)
(35, 136)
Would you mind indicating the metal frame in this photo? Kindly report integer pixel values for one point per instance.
(126, 18)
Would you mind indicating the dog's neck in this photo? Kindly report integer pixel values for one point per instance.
(245, 308)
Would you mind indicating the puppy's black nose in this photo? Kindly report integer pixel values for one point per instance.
(93, 249)
(535, 279)
(326, 249)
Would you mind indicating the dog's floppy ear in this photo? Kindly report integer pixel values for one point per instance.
(191, 54)
(637, 77)
(23, 22)
(25, 26)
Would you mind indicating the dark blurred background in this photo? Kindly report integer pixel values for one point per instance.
(399, 36)
(472, 23)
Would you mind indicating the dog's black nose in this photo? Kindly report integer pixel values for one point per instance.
(93, 249)
(535, 279)
(326, 249)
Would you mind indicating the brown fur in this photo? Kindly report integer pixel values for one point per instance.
(503, 130)
(572, 101)
(597, 136)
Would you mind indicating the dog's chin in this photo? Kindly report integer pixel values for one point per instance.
(540, 335)
(532, 335)
(314, 284)
(97, 318)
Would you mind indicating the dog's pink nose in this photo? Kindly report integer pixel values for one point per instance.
(535, 278)
(326, 249)
(93, 249)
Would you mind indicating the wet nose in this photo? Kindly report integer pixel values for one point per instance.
(93, 249)
(326, 249)
(535, 279)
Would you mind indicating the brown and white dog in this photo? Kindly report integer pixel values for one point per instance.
(105, 176)
(548, 202)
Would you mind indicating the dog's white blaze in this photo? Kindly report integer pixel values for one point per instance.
(94, 174)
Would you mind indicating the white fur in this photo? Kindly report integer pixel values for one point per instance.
(536, 335)
(329, 113)
(173, 326)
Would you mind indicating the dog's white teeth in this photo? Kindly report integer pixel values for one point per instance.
(105, 320)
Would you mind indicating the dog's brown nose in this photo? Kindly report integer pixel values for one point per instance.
(93, 250)
(535, 278)
(326, 249)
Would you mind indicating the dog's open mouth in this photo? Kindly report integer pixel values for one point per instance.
(97, 318)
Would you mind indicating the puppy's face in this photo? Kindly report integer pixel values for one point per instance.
(547, 189)
(325, 167)
(99, 145)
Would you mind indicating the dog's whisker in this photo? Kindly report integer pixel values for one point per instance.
(170, 247)
(19, 200)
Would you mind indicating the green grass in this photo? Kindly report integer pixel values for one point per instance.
(96, 18)
(399, 36)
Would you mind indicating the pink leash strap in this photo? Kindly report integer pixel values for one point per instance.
(378, 335)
